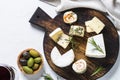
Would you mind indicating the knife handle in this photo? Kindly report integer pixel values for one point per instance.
(43, 20)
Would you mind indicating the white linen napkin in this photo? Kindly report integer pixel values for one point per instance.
(110, 6)
(69, 4)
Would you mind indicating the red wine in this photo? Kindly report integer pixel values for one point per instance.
(6, 73)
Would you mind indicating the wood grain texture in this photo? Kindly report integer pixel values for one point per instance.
(110, 34)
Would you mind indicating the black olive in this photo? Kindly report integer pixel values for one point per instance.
(23, 62)
(26, 55)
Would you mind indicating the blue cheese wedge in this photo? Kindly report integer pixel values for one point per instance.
(95, 47)
(60, 38)
(80, 66)
(64, 40)
(62, 60)
(95, 25)
(56, 34)
(77, 30)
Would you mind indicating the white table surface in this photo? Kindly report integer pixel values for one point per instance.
(17, 34)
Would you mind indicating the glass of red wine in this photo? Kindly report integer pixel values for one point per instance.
(8, 72)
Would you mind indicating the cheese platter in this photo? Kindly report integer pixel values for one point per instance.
(107, 39)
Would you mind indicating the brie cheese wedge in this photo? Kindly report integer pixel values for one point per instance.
(92, 51)
(62, 60)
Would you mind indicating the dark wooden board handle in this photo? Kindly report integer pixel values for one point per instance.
(42, 19)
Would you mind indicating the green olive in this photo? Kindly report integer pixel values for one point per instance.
(27, 70)
(34, 53)
(30, 62)
(35, 66)
(38, 60)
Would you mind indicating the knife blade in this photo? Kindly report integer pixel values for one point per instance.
(52, 2)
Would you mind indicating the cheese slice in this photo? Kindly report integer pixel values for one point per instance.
(56, 34)
(95, 25)
(88, 29)
(62, 60)
(64, 40)
(77, 30)
(87, 24)
(91, 50)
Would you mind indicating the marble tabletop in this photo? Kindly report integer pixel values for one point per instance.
(17, 34)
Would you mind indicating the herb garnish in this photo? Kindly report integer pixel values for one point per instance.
(72, 42)
(78, 30)
(100, 68)
(47, 77)
(97, 47)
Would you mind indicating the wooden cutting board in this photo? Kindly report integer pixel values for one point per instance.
(110, 34)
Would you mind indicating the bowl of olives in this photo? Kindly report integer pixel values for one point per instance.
(30, 61)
